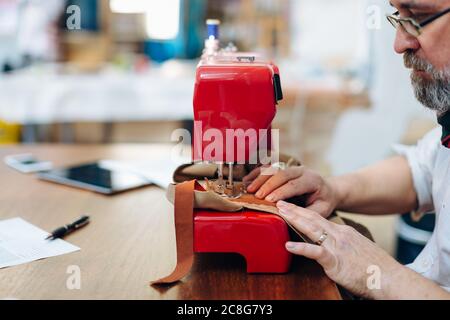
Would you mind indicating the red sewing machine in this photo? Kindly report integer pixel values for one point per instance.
(235, 102)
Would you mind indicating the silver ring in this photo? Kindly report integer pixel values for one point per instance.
(322, 238)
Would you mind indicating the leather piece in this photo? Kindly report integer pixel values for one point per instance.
(189, 172)
(204, 199)
(201, 170)
(184, 230)
(189, 195)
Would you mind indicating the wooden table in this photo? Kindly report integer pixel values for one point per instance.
(129, 241)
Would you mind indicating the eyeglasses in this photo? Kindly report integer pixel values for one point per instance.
(410, 25)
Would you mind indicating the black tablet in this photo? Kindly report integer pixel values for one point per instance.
(96, 177)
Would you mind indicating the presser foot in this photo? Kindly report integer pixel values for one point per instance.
(226, 188)
(222, 188)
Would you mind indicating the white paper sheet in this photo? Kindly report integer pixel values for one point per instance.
(22, 242)
(158, 171)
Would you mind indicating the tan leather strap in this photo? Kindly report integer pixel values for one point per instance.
(204, 199)
(189, 195)
(184, 230)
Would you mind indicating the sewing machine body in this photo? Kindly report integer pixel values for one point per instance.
(235, 102)
(259, 237)
(235, 98)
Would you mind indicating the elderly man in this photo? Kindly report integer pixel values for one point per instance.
(419, 180)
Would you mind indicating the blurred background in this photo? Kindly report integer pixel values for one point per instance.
(122, 71)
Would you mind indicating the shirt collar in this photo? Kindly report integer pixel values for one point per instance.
(444, 121)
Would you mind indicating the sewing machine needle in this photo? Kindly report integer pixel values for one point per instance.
(220, 173)
(230, 176)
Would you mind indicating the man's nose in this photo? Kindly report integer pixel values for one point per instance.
(404, 41)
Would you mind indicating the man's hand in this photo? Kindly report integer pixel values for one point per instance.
(350, 259)
(295, 181)
(345, 254)
(373, 190)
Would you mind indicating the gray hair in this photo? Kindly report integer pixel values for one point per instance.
(435, 93)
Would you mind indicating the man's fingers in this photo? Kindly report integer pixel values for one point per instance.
(307, 250)
(312, 251)
(296, 187)
(252, 175)
(284, 192)
(321, 207)
(308, 222)
(257, 183)
(282, 177)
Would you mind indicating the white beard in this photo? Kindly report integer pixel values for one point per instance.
(433, 93)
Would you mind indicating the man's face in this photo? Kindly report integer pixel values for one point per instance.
(428, 55)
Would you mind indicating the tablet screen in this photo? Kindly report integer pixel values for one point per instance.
(96, 177)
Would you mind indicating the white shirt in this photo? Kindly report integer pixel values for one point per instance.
(430, 166)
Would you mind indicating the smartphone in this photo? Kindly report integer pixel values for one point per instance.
(27, 163)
